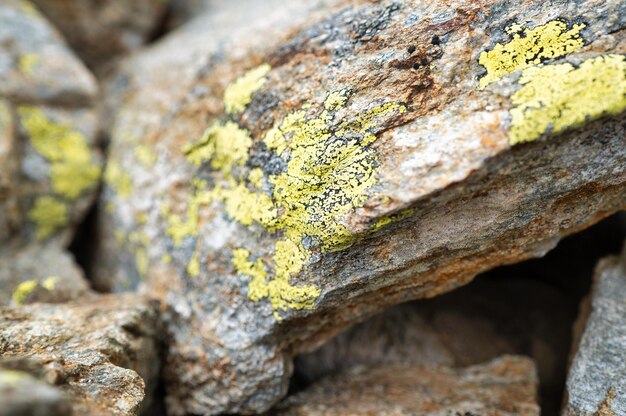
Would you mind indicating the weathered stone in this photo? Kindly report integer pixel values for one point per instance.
(102, 352)
(597, 377)
(472, 325)
(40, 273)
(23, 395)
(503, 387)
(49, 158)
(102, 31)
(283, 173)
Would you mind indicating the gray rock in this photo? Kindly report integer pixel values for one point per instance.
(281, 173)
(23, 395)
(40, 273)
(596, 382)
(50, 160)
(503, 387)
(102, 352)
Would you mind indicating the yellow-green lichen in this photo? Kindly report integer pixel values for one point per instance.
(330, 166)
(530, 47)
(145, 155)
(554, 98)
(193, 267)
(27, 63)
(22, 291)
(390, 219)
(117, 179)
(49, 214)
(72, 170)
(238, 94)
(225, 145)
(50, 282)
(13, 377)
(141, 261)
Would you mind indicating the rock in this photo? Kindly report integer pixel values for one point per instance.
(503, 387)
(48, 131)
(102, 31)
(102, 353)
(281, 174)
(40, 274)
(23, 395)
(597, 376)
(472, 325)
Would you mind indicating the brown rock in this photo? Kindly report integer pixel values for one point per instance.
(281, 173)
(503, 387)
(102, 353)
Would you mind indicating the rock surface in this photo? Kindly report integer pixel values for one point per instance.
(102, 353)
(40, 273)
(102, 31)
(49, 158)
(283, 172)
(596, 382)
(503, 387)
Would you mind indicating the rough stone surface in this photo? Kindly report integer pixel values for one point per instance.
(49, 158)
(101, 31)
(40, 273)
(503, 387)
(596, 382)
(21, 394)
(472, 325)
(280, 173)
(102, 352)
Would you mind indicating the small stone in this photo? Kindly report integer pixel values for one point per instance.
(40, 273)
(597, 377)
(102, 352)
(502, 387)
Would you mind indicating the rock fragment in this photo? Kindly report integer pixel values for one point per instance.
(505, 386)
(40, 273)
(102, 353)
(280, 174)
(23, 395)
(597, 377)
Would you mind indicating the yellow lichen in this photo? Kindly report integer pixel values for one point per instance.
(50, 282)
(330, 167)
(22, 291)
(255, 177)
(13, 377)
(530, 47)
(238, 94)
(49, 214)
(141, 261)
(390, 219)
(554, 98)
(225, 145)
(72, 171)
(193, 268)
(145, 155)
(117, 179)
(27, 63)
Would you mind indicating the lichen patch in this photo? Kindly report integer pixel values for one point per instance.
(556, 97)
(529, 47)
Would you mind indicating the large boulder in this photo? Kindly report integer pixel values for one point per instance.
(597, 377)
(103, 353)
(279, 172)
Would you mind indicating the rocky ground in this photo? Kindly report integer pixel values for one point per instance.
(249, 207)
